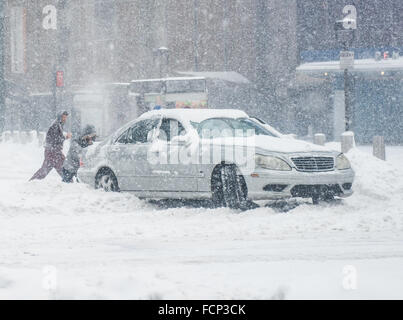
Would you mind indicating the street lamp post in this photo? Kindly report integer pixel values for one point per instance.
(346, 36)
(163, 54)
(62, 56)
(347, 100)
(196, 35)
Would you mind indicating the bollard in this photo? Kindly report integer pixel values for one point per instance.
(319, 139)
(16, 137)
(347, 141)
(41, 138)
(23, 137)
(32, 136)
(379, 147)
(6, 136)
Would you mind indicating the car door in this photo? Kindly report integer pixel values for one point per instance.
(173, 174)
(133, 168)
(117, 158)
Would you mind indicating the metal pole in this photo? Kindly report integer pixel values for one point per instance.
(347, 99)
(62, 52)
(341, 34)
(160, 62)
(196, 35)
(167, 65)
(2, 58)
(54, 89)
(226, 23)
(346, 93)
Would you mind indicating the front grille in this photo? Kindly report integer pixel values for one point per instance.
(313, 164)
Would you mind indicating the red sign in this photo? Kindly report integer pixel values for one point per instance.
(59, 79)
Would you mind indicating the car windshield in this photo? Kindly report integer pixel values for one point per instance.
(268, 127)
(229, 127)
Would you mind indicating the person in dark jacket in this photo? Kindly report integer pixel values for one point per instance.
(72, 162)
(54, 157)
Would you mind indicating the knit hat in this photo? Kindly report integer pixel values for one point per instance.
(88, 130)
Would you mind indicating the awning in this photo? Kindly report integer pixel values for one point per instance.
(230, 76)
(360, 65)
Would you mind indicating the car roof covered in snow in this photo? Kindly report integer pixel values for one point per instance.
(196, 115)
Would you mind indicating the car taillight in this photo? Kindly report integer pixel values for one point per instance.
(81, 163)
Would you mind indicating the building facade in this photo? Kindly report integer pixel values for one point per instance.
(116, 41)
(375, 82)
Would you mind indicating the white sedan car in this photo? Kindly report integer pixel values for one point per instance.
(221, 155)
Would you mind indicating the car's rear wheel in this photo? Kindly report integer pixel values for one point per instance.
(107, 181)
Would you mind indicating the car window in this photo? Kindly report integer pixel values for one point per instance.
(138, 133)
(214, 128)
(262, 125)
(228, 127)
(170, 128)
(123, 137)
(251, 125)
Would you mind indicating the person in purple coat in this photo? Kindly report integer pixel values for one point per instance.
(54, 157)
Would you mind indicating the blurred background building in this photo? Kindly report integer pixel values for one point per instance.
(100, 46)
(108, 41)
(375, 82)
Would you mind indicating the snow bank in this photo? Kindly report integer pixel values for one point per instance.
(377, 179)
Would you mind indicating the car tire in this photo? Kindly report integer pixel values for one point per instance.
(234, 192)
(107, 181)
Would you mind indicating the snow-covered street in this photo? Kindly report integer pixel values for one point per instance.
(63, 241)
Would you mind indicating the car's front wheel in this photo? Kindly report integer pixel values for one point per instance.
(107, 181)
(232, 191)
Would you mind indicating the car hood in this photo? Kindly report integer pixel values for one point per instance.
(285, 145)
(272, 144)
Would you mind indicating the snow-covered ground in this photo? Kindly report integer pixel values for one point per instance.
(62, 241)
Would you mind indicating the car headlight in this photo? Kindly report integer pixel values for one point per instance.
(342, 163)
(271, 163)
